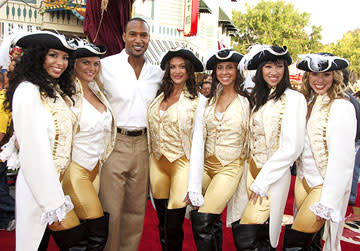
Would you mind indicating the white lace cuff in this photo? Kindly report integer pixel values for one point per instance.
(326, 212)
(58, 214)
(256, 189)
(196, 199)
(10, 154)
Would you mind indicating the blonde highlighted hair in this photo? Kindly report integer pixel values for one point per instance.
(334, 92)
(98, 81)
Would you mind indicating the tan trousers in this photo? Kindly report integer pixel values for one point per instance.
(123, 191)
(255, 214)
(168, 180)
(305, 220)
(219, 184)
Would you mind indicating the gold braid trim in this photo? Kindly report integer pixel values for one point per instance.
(64, 119)
(316, 127)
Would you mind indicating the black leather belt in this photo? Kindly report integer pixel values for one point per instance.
(131, 133)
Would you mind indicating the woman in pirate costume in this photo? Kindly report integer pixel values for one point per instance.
(40, 96)
(170, 120)
(222, 128)
(326, 165)
(277, 131)
(93, 142)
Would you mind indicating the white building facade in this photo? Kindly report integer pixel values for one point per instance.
(60, 15)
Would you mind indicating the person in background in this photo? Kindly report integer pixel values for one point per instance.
(222, 128)
(8, 73)
(324, 175)
(130, 83)
(93, 142)
(205, 85)
(277, 131)
(40, 98)
(15, 54)
(170, 120)
(2, 81)
(356, 104)
(7, 202)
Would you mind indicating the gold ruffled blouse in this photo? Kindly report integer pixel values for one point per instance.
(170, 134)
(64, 121)
(227, 138)
(265, 128)
(316, 128)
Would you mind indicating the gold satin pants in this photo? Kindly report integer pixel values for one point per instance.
(305, 220)
(168, 180)
(255, 214)
(219, 184)
(77, 182)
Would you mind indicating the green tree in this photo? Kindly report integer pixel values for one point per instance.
(276, 23)
(348, 47)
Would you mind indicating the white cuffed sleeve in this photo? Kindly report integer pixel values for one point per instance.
(57, 214)
(10, 154)
(196, 170)
(290, 146)
(340, 136)
(31, 122)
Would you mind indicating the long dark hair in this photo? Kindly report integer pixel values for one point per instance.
(238, 87)
(167, 85)
(260, 93)
(30, 68)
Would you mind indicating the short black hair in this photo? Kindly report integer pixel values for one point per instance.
(137, 19)
(204, 82)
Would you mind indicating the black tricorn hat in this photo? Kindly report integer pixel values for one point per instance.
(184, 53)
(321, 62)
(46, 38)
(86, 49)
(224, 55)
(263, 53)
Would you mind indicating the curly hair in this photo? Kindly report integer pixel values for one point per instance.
(238, 87)
(30, 68)
(261, 91)
(334, 92)
(167, 85)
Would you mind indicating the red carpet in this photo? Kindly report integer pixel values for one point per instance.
(150, 238)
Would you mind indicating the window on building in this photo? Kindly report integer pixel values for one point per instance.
(26, 1)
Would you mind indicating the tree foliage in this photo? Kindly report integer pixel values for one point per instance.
(276, 23)
(348, 47)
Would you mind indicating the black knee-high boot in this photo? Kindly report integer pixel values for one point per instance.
(264, 238)
(246, 236)
(98, 230)
(297, 241)
(45, 240)
(203, 230)
(161, 205)
(218, 233)
(74, 239)
(174, 232)
(316, 244)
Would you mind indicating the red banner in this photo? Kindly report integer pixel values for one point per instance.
(296, 77)
(191, 17)
(106, 27)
